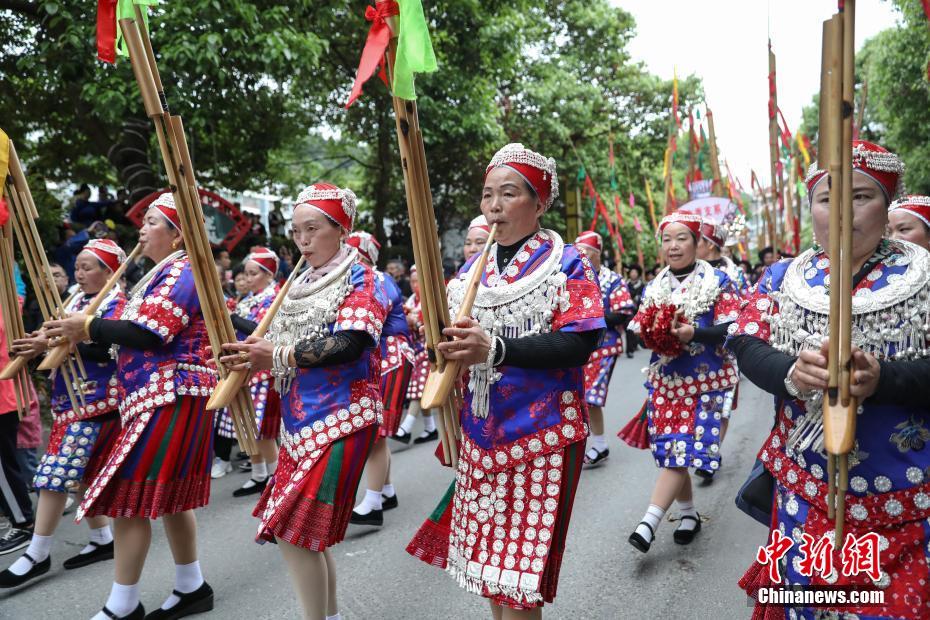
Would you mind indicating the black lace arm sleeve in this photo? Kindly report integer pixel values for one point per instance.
(764, 365)
(554, 350)
(123, 333)
(340, 348)
(242, 324)
(711, 335)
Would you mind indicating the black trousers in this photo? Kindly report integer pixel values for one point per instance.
(14, 493)
(632, 341)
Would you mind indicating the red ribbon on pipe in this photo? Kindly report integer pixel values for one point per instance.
(106, 30)
(379, 35)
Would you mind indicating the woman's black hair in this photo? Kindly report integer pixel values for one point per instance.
(240, 268)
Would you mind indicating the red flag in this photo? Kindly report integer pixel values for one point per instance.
(379, 35)
(106, 30)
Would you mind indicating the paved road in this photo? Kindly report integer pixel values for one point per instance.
(602, 575)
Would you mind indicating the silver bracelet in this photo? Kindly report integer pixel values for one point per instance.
(502, 347)
(793, 389)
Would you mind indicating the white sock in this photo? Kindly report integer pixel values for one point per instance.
(123, 601)
(653, 517)
(337, 616)
(101, 536)
(272, 467)
(429, 423)
(38, 550)
(687, 509)
(259, 471)
(388, 491)
(187, 578)
(371, 501)
(599, 442)
(407, 424)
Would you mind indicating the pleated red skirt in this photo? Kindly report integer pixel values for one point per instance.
(167, 469)
(311, 508)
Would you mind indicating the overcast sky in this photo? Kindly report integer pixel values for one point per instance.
(724, 43)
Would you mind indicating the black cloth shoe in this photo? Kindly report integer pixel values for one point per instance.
(703, 473)
(246, 467)
(256, 486)
(99, 554)
(433, 435)
(684, 537)
(137, 614)
(16, 538)
(388, 503)
(597, 460)
(639, 542)
(402, 436)
(10, 580)
(196, 602)
(374, 518)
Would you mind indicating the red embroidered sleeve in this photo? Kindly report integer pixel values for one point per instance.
(170, 303)
(752, 320)
(360, 310)
(728, 304)
(585, 308)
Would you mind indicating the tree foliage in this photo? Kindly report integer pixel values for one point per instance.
(261, 85)
(892, 74)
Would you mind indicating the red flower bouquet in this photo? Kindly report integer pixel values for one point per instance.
(656, 330)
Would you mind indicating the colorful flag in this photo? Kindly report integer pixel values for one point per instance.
(379, 35)
(414, 49)
(109, 36)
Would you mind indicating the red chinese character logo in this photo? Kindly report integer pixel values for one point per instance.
(861, 555)
(815, 556)
(773, 552)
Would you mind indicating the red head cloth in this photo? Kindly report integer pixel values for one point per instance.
(690, 220)
(591, 239)
(715, 233)
(883, 166)
(265, 258)
(367, 245)
(165, 205)
(535, 169)
(480, 222)
(918, 206)
(107, 252)
(336, 204)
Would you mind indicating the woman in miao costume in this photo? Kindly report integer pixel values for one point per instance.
(260, 266)
(160, 466)
(396, 368)
(322, 350)
(683, 318)
(909, 220)
(500, 530)
(781, 343)
(710, 248)
(475, 237)
(618, 309)
(80, 441)
(419, 373)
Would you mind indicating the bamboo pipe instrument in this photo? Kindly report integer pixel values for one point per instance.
(439, 382)
(179, 169)
(227, 388)
(57, 355)
(717, 184)
(23, 217)
(425, 240)
(839, 406)
(12, 318)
